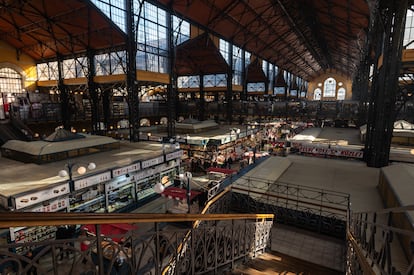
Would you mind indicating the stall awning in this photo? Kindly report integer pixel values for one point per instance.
(179, 193)
(113, 230)
(222, 170)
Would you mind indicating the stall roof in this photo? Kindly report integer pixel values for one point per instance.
(199, 56)
(179, 194)
(39, 148)
(254, 72)
(46, 29)
(61, 134)
(113, 230)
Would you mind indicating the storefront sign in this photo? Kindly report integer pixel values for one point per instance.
(41, 196)
(90, 181)
(152, 162)
(337, 152)
(125, 170)
(174, 155)
(52, 206)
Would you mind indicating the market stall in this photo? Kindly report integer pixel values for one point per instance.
(179, 195)
(115, 231)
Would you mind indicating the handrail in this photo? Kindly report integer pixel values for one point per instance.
(379, 235)
(215, 199)
(302, 187)
(16, 219)
(288, 198)
(365, 266)
(399, 209)
(197, 223)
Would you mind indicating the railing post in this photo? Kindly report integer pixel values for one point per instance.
(297, 198)
(99, 249)
(157, 249)
(255, 238)
(268, 191)
(205, 236)
(232, 244)
(248, 185)
(245, 243)
(320, 213)
(215, 247)
(192, 251)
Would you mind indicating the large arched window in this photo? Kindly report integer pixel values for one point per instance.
(341, 94)
(329, 87)
(317, 94)
(10, 81)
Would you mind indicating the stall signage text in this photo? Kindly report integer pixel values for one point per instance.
(90, 181)
(40, 196)
(125, 170)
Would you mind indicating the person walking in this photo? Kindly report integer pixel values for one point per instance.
(84, 245)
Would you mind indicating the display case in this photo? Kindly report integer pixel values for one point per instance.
(91, 199)
(89, 194)
(170, 175)
(145, 187)
(38, 233)
(120, 193)
(29, 200)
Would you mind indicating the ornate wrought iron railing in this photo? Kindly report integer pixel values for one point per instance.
(314, 209)
(213, 246)
(381, 242)
(235, 240)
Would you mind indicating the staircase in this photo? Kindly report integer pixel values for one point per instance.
(308, 235)
(13, 130)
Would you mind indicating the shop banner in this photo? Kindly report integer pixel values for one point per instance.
(40, 196)
(152, 162)
(174, 155)
(125, 170)
(90, 181)
(334, 151)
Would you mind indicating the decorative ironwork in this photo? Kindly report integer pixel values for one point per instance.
(310, 208)
(177, 248)
(375, 243)
(207, 248)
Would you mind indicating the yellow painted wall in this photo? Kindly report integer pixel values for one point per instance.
(347, 84)
(23, 64)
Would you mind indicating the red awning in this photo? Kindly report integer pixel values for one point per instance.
(222, 170)
(111, 230)
(178, 193)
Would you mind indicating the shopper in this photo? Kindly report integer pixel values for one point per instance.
(84, 245)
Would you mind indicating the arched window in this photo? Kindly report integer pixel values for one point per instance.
(10, 81)
(329, 88)
(317, 94)
(341, 94)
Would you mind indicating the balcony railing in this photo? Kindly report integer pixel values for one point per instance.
(158, 243)
(381, 242)
(314, 209)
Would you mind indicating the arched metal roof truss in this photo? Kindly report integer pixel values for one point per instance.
(305, 37)
(47, 29)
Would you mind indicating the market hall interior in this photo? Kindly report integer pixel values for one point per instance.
(130, 106)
